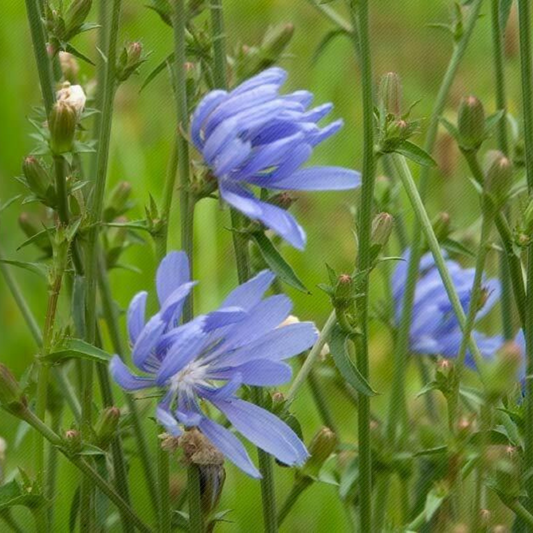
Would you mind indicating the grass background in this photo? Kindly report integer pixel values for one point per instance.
(142, 135)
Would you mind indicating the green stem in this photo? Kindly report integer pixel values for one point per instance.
(95, 210)
(427, 229)
(196, 522)
(165, 510)
(61, 189)
(402, 344)
(359, 17)
(320, 402)
(88, 471)
(44, 67)
(10, 521)
(297, 489)
(521, 511)
(524, 21)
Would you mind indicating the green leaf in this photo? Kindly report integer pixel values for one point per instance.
(157, 70)
(37, 268)
(326, 40)
(13, 493)
(75, 52)
(276, 262)
(415, 153)
(492, 120)
(431, 451)
(337, 345)
(5, 205)
(455, 247)
(450, 128)
(37, 237)
(434, 500)
(141, 225)
(431, 386)
(76, 348)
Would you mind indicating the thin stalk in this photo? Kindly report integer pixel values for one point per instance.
(297, 489)
(521, 511)
(95, 209)
(524, 22)
(506, 236)
(359, 17)
(320, 402)
(57, 416)
(402, 346)
(427, 229)
(196, 522)
(501, 131)
(44, 67)
(111, 318)
(165, 510)
(61, 189)
(10, 521)
(87, 470)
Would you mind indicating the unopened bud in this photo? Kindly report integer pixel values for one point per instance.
(344, 291)
(390, 93)
(107, 426)
(73, 440)
(10, 391)
(442, 226)
(76, 14)
(62, 126)
(130, 59)
(276, 40)
(498, 180)
(278, 397)
(471, 123)
(73, 95)
(503, 372)
(321, 447)
(36, 176)
(69, 67)
(119, 201)
(381, 229)
(212, 478)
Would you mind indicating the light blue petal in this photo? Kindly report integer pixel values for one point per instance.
(173, 271)
(209, 102)
(281, 343)
(272, 75)
(165, 417)
(225, 441)
(146, 342)
(265, 430)
(232, 156)
(316, 179)
(303, 97)
(124, 378)
(136, 316)
(318, 113)
(275, 218)
(224, 317)
(259, 372)
(327, 132)
(173, 305)
(250, 293)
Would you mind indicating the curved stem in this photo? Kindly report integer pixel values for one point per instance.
(296, 491)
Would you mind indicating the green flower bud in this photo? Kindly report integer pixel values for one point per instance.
(471, 123)
(119, 201)
(62, 126)
(73, 440)
(130, 59)
(76, 14)
(502, 373)
(390, 93)
(36, 176)
(381, 229)
(344, 291)
(106, 429)
(212, 478)
(321, 447)
(499, 179)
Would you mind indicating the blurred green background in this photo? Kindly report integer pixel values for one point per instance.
(143, 130)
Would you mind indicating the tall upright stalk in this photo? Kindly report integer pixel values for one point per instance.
(397, 405)
(524, 20)
(359, 17)
(91, 254)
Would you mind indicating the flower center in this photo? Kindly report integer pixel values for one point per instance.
(190, 375)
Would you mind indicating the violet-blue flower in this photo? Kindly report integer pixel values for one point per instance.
(435, 329)
(253, 136)
(207, 359)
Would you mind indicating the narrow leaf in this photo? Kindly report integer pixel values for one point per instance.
(276, 262)
(157, 70)
(416, 154)
(37, 268)
(76, 348)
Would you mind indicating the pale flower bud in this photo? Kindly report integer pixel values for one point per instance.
(72, 95)
(69, 66)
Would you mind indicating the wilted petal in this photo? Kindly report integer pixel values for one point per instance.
(226, 442)
(122, 375)
(265, 430)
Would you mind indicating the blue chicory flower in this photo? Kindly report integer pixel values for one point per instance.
(435, 329)
(252, 135)
(210, 357)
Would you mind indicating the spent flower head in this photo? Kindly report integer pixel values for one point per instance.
(254, 136)
(207, 359)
